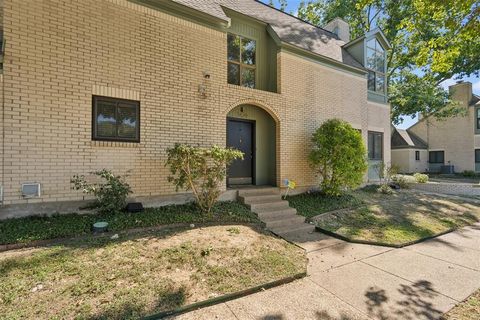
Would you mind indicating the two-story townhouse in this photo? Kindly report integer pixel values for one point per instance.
(112, 84)
(446, 145)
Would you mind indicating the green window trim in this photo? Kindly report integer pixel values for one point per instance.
(477, 155)
(241, 61)
(375, 63)
(115, 119)
(477, 120)
(375, 145)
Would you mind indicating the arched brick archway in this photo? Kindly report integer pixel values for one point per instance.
(254, 128)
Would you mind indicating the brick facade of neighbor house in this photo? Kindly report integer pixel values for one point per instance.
(59, 53)
(456, 136)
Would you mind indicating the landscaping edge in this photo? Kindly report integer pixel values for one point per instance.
(174, 226)
(382, 244)
(226, 297)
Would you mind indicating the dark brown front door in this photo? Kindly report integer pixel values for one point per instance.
(240, 136)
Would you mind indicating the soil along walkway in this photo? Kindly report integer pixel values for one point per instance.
(354, 281)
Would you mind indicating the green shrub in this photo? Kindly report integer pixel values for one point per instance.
(468, 174)
(420, 177)
(385, 189)
(111, 195)
(401, 181)
(200, 170)
(339, 156)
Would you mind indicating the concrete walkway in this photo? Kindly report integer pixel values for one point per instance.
(351, 281)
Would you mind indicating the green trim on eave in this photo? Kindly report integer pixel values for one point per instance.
(184, 12)
(325, 61)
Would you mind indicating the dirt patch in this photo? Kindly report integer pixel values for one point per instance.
(141, 274)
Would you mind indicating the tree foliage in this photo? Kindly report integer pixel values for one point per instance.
(432, 41)
(200, 170)
(339, 156)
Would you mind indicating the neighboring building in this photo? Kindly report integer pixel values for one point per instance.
(454, 143)
(112, 84)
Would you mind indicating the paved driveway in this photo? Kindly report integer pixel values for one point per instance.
(351, 281)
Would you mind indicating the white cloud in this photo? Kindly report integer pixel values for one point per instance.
(447, 83)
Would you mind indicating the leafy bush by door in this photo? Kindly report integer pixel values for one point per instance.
(200, 170)
(339, 156)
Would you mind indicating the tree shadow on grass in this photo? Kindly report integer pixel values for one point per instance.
(415, 302)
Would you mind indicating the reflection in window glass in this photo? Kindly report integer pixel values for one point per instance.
(248, 77)
(115, 119)
(241, 56)
(380, 83)
(375, 62)
(106, 122)
(371, 80)
(375, 145)
(233, 73)
(233, 50)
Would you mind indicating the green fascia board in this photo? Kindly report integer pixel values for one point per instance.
(377, 33)
(182, 11)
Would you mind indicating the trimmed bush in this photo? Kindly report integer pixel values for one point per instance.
(420, 177)
(200, 170)
(339, 156)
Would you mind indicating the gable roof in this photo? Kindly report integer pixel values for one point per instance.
(475, 100)
(288, 29)
(402, 139)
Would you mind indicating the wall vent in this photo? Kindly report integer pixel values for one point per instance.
(31, 190)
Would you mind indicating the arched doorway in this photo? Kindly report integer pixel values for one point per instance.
(252, 130)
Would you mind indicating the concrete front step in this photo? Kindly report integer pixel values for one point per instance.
(268, 206)
(258, 191)
(260, 198)
(294, 228)
(277, 214)
(284, 222)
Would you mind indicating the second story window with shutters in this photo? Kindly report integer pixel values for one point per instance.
(241, 57)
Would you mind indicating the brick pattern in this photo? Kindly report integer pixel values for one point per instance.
(60, 52)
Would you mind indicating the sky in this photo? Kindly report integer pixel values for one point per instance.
(407, 121)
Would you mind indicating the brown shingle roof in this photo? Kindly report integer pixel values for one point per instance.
(289, 29)
(404, 139)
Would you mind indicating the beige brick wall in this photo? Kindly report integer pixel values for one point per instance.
(455, 135)
(60, 52)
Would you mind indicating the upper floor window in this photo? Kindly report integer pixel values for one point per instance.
(477, 117)
(375, 64)
(375, 145)
(116, 119)
(241, 56)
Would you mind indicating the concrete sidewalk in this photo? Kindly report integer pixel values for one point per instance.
(352, 281)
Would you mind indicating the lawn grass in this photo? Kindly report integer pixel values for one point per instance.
(139, 275)
(313, 203)
(397, 219)
(467, 310)
(24, 230)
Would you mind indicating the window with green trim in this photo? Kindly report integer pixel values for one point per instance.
(477, 118)
(417, 155)
(375, 145)
(241, 57)
(477, 155)
(375, 63)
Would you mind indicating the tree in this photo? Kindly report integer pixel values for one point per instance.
(339, 156)
(282, 3)
(432, 41)
(200, 170)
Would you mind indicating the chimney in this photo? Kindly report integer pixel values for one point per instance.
(462, 91)
(340, 28)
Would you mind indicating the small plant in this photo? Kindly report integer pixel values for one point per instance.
(385, 189)
(468, 174)
(401, 180)
(339, 156)
(234, 230)
(111, 195)
(200, 170)
(420, 177)
(206, 252)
